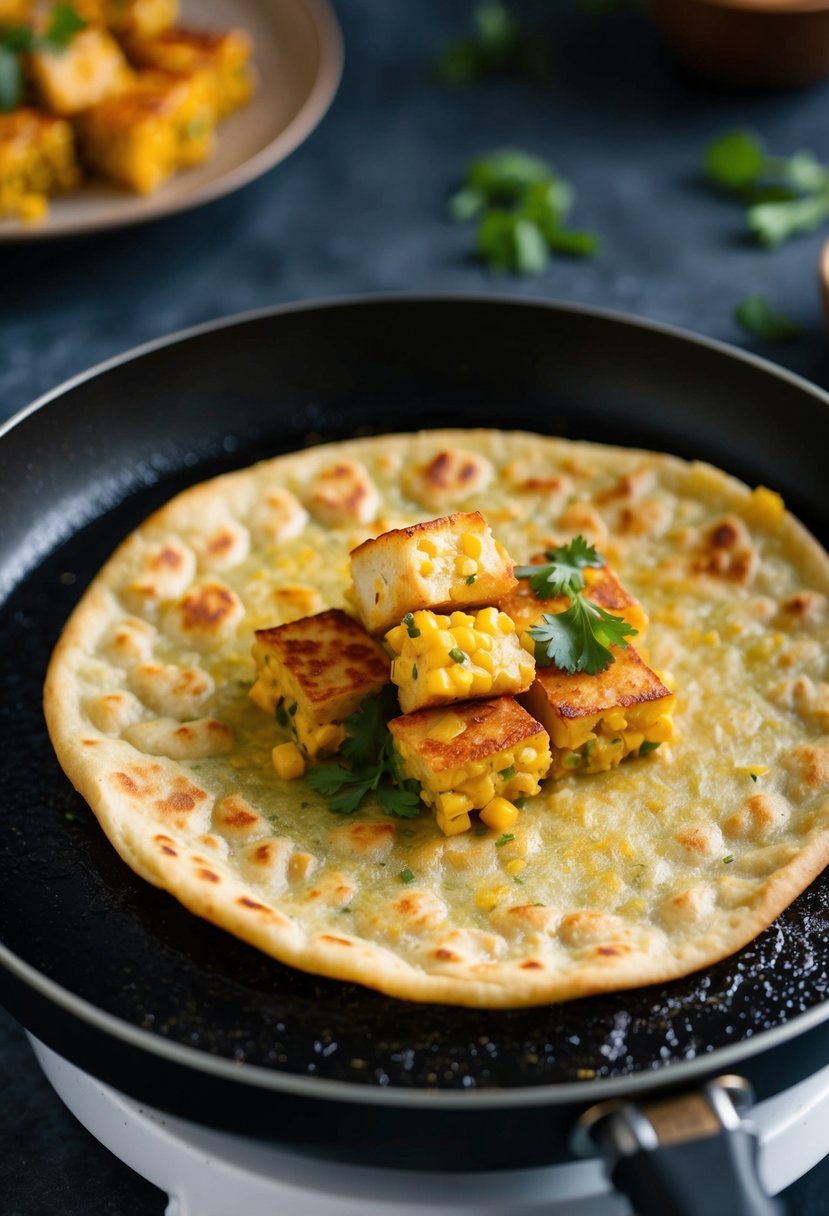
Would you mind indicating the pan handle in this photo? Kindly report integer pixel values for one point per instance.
(691, 1154)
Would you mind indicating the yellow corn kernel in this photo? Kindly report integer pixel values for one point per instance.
(471, 545)
(711, 637)
(447, 728)
(428, 622)
(483, 640)
(527, 757)
(524, 783)
(453, 827)
(461, 620)
(444, 639)
(481, 791)
(461, 678)
(765, 507)
(633, 740)
(427, 567)
(499, 814)
(288, 761)
(505, 623)
(439, 682)
(615, 721)
(489, 897)
(482, 658)
(396, 638)
(452, 804)
(662, 730)
(481, 683)
(465, 566)
(465, 639)
(428, 547)
(487, 620)
(263, 695)
(515, 866)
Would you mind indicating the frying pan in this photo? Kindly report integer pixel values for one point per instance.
(121, 980)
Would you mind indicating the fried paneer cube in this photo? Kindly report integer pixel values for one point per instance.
(595, 721)
(222, 55)
(140, 138)
(15, 12)
(130, 18)
(470, 755)
(313, 672)
(37, 159)
(442, 659)
(602, 586)
(86, 72)
(452, 562)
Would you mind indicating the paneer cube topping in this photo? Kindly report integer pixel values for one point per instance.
(442, 659)
(595, 721)
(223, 55)
(313, 673)
(37, 160)
(90, 69)
(470, 756)
(442, 564)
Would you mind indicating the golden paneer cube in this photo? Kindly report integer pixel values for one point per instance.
(595, 721)
(452, 562)
(37, 159)
(314, 672)
(15, 12)
(469, 755)
(223, 55)
(140, 138)
(86, 72)
(130, 18)
(601, 585)
(441, 659)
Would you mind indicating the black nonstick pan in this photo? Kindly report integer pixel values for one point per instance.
(120, 979)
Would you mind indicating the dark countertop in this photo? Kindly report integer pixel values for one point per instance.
(361, 207)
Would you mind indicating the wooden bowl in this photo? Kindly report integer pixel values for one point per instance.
(749, 43)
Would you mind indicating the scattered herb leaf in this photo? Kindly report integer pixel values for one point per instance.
(62, 24)
(374, 765)
(507, 774)
(753, 776)
(471, 579)
(411, 628)
(757, 317)
(457, 655)
(414, 671)
(728, 859)
(406, 875)
(578, 639)
(647, 746)
(505, 839)
(498, 46)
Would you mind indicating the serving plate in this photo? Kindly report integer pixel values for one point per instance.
(118, 977)
(298, 58)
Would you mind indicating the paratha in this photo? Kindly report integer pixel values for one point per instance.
(610, 880)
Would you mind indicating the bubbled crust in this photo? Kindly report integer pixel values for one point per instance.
(609, 896)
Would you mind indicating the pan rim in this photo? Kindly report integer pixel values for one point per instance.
(555, 1094)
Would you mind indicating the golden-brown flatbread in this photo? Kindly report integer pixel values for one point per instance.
(643, 873)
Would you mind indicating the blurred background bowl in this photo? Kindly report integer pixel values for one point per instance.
(749, 43)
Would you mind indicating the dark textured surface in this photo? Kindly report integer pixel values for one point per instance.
(361, 208)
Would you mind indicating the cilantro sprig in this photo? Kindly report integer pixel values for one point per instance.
(372, 764)
(62, 24)
(782, 195)
(521, 206)
(580, 638)
(497, 46)
(757, 317)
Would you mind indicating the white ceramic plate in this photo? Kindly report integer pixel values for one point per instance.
(298, 57)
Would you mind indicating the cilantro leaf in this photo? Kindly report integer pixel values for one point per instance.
(403, 803)
(327, 779)
(563, 575)
(508, 242)
(63, 24)
(347, 801)
(11, 80)
(773, 223)
(579, 639)
(735, 159)
(757, 317)
(497, 46)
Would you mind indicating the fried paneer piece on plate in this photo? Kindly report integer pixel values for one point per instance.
(37, 160)
(162, 123)
(86, 72)
(595, 721)
(602, 586)
(130, 18)
(471, 755)
(314, 672)
(451, 562)
(441, 659)
(223, 56)
(15, 12)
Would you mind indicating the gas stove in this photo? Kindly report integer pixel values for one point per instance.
(210, 1173)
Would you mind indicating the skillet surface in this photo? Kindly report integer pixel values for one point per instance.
(83, 470)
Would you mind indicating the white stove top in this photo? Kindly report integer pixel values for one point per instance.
(210, 1173)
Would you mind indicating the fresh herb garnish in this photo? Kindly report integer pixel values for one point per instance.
(457, 655)
(728, 859)
(471, 579)
(647, 746)
(414, 671)
(374, 764)
(406, 875)
(498, 46)
(782, 195)
(505, 839)
(507, 774)
(757, 317)
(753, 776)
(521, 206)
(411, 628)
(62, 24)
(578, 639)
(282, 714)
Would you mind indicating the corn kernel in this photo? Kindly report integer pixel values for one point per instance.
(662, 730)
(329, 737)
(459, 620)
(465, 566)
(439, 682)
(427, 567)
(263, 695)
(515, 866)
(499, 814)
(428, 547)
(471, 545)
(452, 804)
(481, 791)
(490, 897)
(462, 679)
(465, 639)
(396, 638)
(505, 623)
(481, 683)
(524, 783)
(288, 761)
(487, 620)
(447, 728)
(765, 507)
(453, 827)
(428, 622)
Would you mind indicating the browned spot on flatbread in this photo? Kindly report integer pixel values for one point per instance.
(246, 902)
(208, 875)
(220, 542)
(166, 845)
(532, 965)
(446, 955)
(340, 941)
(90, 742)
(210, 605)
(126, 782)
(167, 558)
